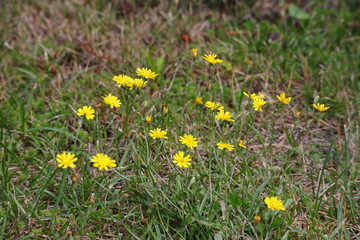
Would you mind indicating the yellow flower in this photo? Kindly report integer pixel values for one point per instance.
(112, 100)
(148, 119)
(198, 100)
(181, 160)
(241, 144)
(166, 110)
(282, 98)
(189, 140)
(146, 73)
(194, 51)
(102, 161)
(66, 160)
(214, 105)
(253, 96)
(158, 133)
(320, 107)
(211, 58)
(139, 82)
(124, 80)
(87, 111)
(222, 145)
(226, 116)
(258, 103)
(257, 219)
(274, 203)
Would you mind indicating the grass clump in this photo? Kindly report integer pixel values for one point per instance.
(179, 121)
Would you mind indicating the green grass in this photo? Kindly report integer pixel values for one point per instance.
(56, 57)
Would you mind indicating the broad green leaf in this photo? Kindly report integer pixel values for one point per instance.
(298, 13)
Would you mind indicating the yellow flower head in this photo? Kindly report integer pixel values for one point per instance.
(253, 96)
(112, 100)
(274, 203)
(214, 105)
(139, 82)
(222, 145)
(282, 98)
(211, 58)
(87, 111)
(181, 160)
(198, 100)
(148, 119)
(102, 161)
(189, 140)
(258, 103)
(226, 116)
(194, 51)
(241, 144)
(146, 73)
(66, 160)
(158, 133)
(320, 107)
(124, 80)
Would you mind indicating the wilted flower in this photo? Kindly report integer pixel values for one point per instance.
(198, 100)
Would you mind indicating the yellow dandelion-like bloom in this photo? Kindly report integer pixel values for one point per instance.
(211, 58)
(241, 144)
(214, 105)
(189, 140)
(198, 100)
(194, 51)
(158, 133)
(112, 100)
(258, 103)
(87, 111)
(148, 119)
(146, 73)
(226, 116)
(66, 160)
(139, 82)
(253, 96)
(274, 203)
(320, 107)
(124, 80)
(257, 219)
(282, 98)
(222, 145)
(181, 160)
(102, 161)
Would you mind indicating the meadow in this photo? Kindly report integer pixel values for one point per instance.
(118, 121)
